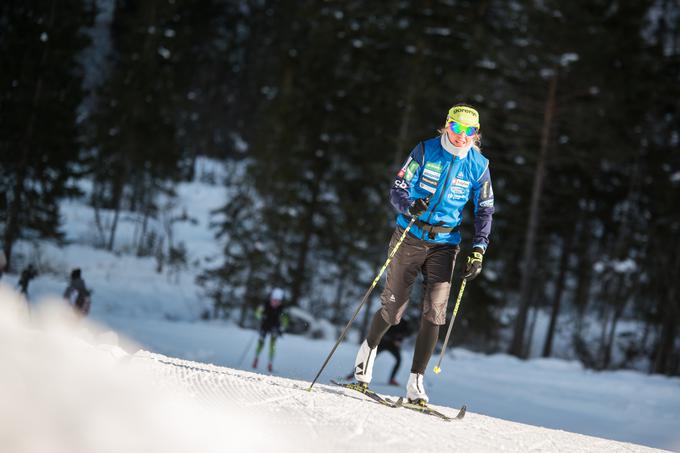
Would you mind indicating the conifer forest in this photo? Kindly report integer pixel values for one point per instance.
(313, 106)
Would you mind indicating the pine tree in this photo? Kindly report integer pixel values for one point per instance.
(41, 89)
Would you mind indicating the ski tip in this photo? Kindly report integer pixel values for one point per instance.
(437, 370)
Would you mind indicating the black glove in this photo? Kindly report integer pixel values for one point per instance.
(418, 207)
(474, 264)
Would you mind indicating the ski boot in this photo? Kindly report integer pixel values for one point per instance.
(415, 390)
(363, 365)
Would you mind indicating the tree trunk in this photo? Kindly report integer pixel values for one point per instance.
(665, 346)
(559, 289)
(401, 146)
(618, 311)
(245, 303)
(116, 212)
(299, 274)
(517, 344)
(582, 298)
(339, 293)
(142, 234)
(12, 228)
(605, 318)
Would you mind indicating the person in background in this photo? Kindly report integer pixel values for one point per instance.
(27, 275)
(440, 176)
(77, 294)
(391, 342)
(273, 320)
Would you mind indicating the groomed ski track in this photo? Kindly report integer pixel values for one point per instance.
(332, 419)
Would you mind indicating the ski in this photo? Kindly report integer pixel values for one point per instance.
(424, 409)
(365, 391)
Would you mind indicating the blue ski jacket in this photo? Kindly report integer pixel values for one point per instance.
(450, 182)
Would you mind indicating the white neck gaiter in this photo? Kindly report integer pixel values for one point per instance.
(454, 150)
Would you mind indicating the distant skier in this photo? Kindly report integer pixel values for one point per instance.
(27, 275)
(440, 176)
(391, 342)
(273, 321)
(77, 294)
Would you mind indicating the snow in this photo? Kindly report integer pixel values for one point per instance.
(141, 379)
(567, 58)
(62, 390)
(144, 401)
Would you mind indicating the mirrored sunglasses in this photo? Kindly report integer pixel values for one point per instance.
(460, 129)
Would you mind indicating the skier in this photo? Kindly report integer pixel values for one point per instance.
(77, 293)
(438, 178)
(273, 321)
(28, 274)
(391, 342)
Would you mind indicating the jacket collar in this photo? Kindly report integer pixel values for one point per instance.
(453, 150)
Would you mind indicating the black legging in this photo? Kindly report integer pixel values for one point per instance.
(393, 349)
(425, 342)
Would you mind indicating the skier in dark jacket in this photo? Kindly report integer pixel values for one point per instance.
(27, 275)
(273, 320)
(77, 293)
(435, 183)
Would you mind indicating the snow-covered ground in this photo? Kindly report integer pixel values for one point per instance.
(68, 387)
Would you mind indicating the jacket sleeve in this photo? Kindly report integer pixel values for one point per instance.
(408, 175)
(482, 195)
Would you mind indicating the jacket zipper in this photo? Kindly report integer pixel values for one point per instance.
(442, 192)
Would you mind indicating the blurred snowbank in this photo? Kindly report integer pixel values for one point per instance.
(67, 386)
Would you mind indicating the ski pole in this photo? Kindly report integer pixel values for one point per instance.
(437, 368)
(363, 301)
(250, 343)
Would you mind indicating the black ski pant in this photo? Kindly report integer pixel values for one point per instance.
(274, 332)
(436, 262)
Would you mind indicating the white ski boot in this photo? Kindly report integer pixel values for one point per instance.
(415, 390)
(363, 365)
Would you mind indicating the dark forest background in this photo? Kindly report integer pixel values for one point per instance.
(315, 105)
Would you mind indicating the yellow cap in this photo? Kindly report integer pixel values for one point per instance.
(463, 114)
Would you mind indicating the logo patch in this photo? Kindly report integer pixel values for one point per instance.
(402, 172)
(461, 183)
(487, 191)
(428, 187)
(432, 171)
(434, 166)
(411, 170)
